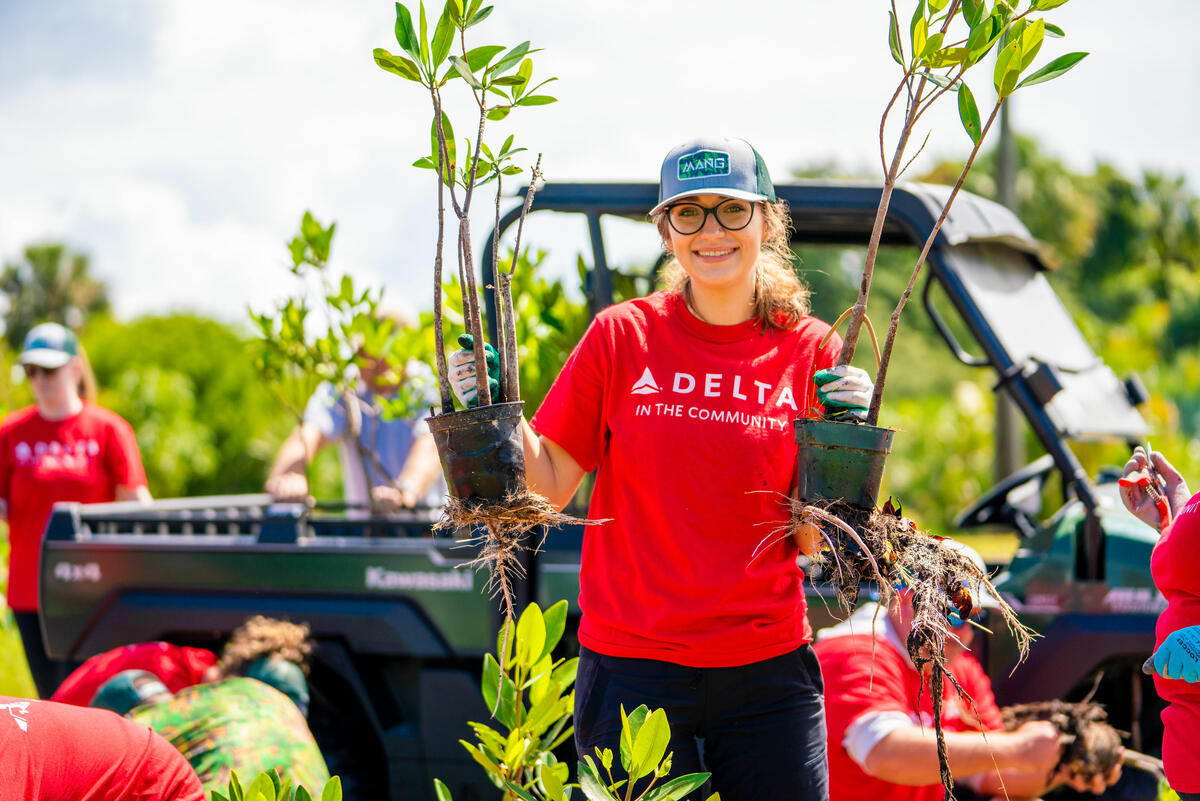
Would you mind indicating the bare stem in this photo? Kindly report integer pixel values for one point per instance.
(886, 357)
(439, 343)
(511, 375)
(501, 288)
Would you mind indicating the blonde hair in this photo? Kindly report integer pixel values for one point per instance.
(780, 297)
(87, 379)
(266, 636)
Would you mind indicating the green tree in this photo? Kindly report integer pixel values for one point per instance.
(50, 282)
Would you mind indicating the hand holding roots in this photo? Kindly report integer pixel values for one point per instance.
(883, 547)
(1091, 747)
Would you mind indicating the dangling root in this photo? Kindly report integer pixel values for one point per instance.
(1092, 746)
(884, 547)
(506, 523)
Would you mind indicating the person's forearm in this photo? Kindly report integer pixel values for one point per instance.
(421, 467)
(294, 455)
(139, 493)
(909, 755)
(1014, 784)
(549, 470)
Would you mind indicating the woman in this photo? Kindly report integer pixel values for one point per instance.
(683, 403)
(62, 448)
(1175, 566)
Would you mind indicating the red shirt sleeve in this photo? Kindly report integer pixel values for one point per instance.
(859, 681)
(573, 414)
(122, 458)
(6, 465)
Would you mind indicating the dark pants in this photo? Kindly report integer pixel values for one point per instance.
(1189, 797)
(47, 673)
(762, 725)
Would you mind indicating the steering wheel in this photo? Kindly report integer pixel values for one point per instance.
(995, 506)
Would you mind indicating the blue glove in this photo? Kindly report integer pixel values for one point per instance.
(844, 390)
(1179, 655)
(462, 371)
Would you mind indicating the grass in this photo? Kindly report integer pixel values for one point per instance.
(14, 672)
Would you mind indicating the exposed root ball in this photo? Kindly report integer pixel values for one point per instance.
(506, 523)
(1093, 747)
(886, 548)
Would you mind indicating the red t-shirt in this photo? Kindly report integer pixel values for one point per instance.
(53, 752)
(1174, 565)
(857, 682)
(83, 458)
(690, 428)
(176, 666)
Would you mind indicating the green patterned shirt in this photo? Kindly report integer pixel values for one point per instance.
(238, 724)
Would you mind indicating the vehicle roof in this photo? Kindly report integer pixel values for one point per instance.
(827, 211)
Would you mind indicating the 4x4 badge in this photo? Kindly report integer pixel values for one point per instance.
(646, 385)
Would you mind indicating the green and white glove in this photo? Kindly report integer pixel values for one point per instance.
(462, 371)
(844, 390)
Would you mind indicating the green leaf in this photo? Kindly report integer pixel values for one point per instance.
(973, 11)
(510, 627)
(968, 112)
(552, 777)
(937, 5)
(920, 34)
(478, 57)
(536, 100)
(498, 113)
(983, 36)
(465, 71)
(522, 794)
(508, 80)
(591, 784)
(933, 44)
(480, 16)
(510, 58)
(631, 724)
(398, 65)
(677, 788)
(1003, 75)
(1031, 43)
(490, 685)
(894, 38)
(1046, 5)
(302, 794)
(423, 42)
(443, 35)
(439, 787)
(941, 80)
(406, 37)
(948, 57)
(1054, 69)
(483, 759)
(651, 744)
(332, 790)
(263, 787)
(531, 635)
(555, 617)
(1054, 31)
(918, 16)
(447, 170)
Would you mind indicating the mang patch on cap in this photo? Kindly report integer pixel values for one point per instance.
(49, 345)
(713, 166)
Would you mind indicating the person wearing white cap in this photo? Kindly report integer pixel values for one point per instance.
(683, 402)
(62, 448)
(881, 739)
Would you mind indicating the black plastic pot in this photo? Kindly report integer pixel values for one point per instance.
(841, 461)
(482, 451)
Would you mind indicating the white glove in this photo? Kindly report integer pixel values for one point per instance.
(844, 388)
(462, 377)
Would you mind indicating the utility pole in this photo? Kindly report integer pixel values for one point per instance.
(1010, 428)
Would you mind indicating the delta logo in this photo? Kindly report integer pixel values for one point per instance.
(702, 164)
(646, 385)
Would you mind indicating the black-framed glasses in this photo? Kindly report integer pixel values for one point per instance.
(32, 370)
(732, 214)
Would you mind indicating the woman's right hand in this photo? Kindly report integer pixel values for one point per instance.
(1138, 501)
(1037, 746)
(461, 365)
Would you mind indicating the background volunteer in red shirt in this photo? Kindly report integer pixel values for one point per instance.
(1175, 566)
(62, 448)
(882, 745)
(176, 666)
(682, 402)
(52, 752)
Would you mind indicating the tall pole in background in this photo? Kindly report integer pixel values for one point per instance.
(1010, 428)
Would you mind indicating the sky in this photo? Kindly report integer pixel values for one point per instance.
(178, 143)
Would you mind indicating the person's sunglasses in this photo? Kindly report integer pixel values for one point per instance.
(33, 370)
(731, 214)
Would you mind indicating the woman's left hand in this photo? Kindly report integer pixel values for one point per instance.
(844, 390)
